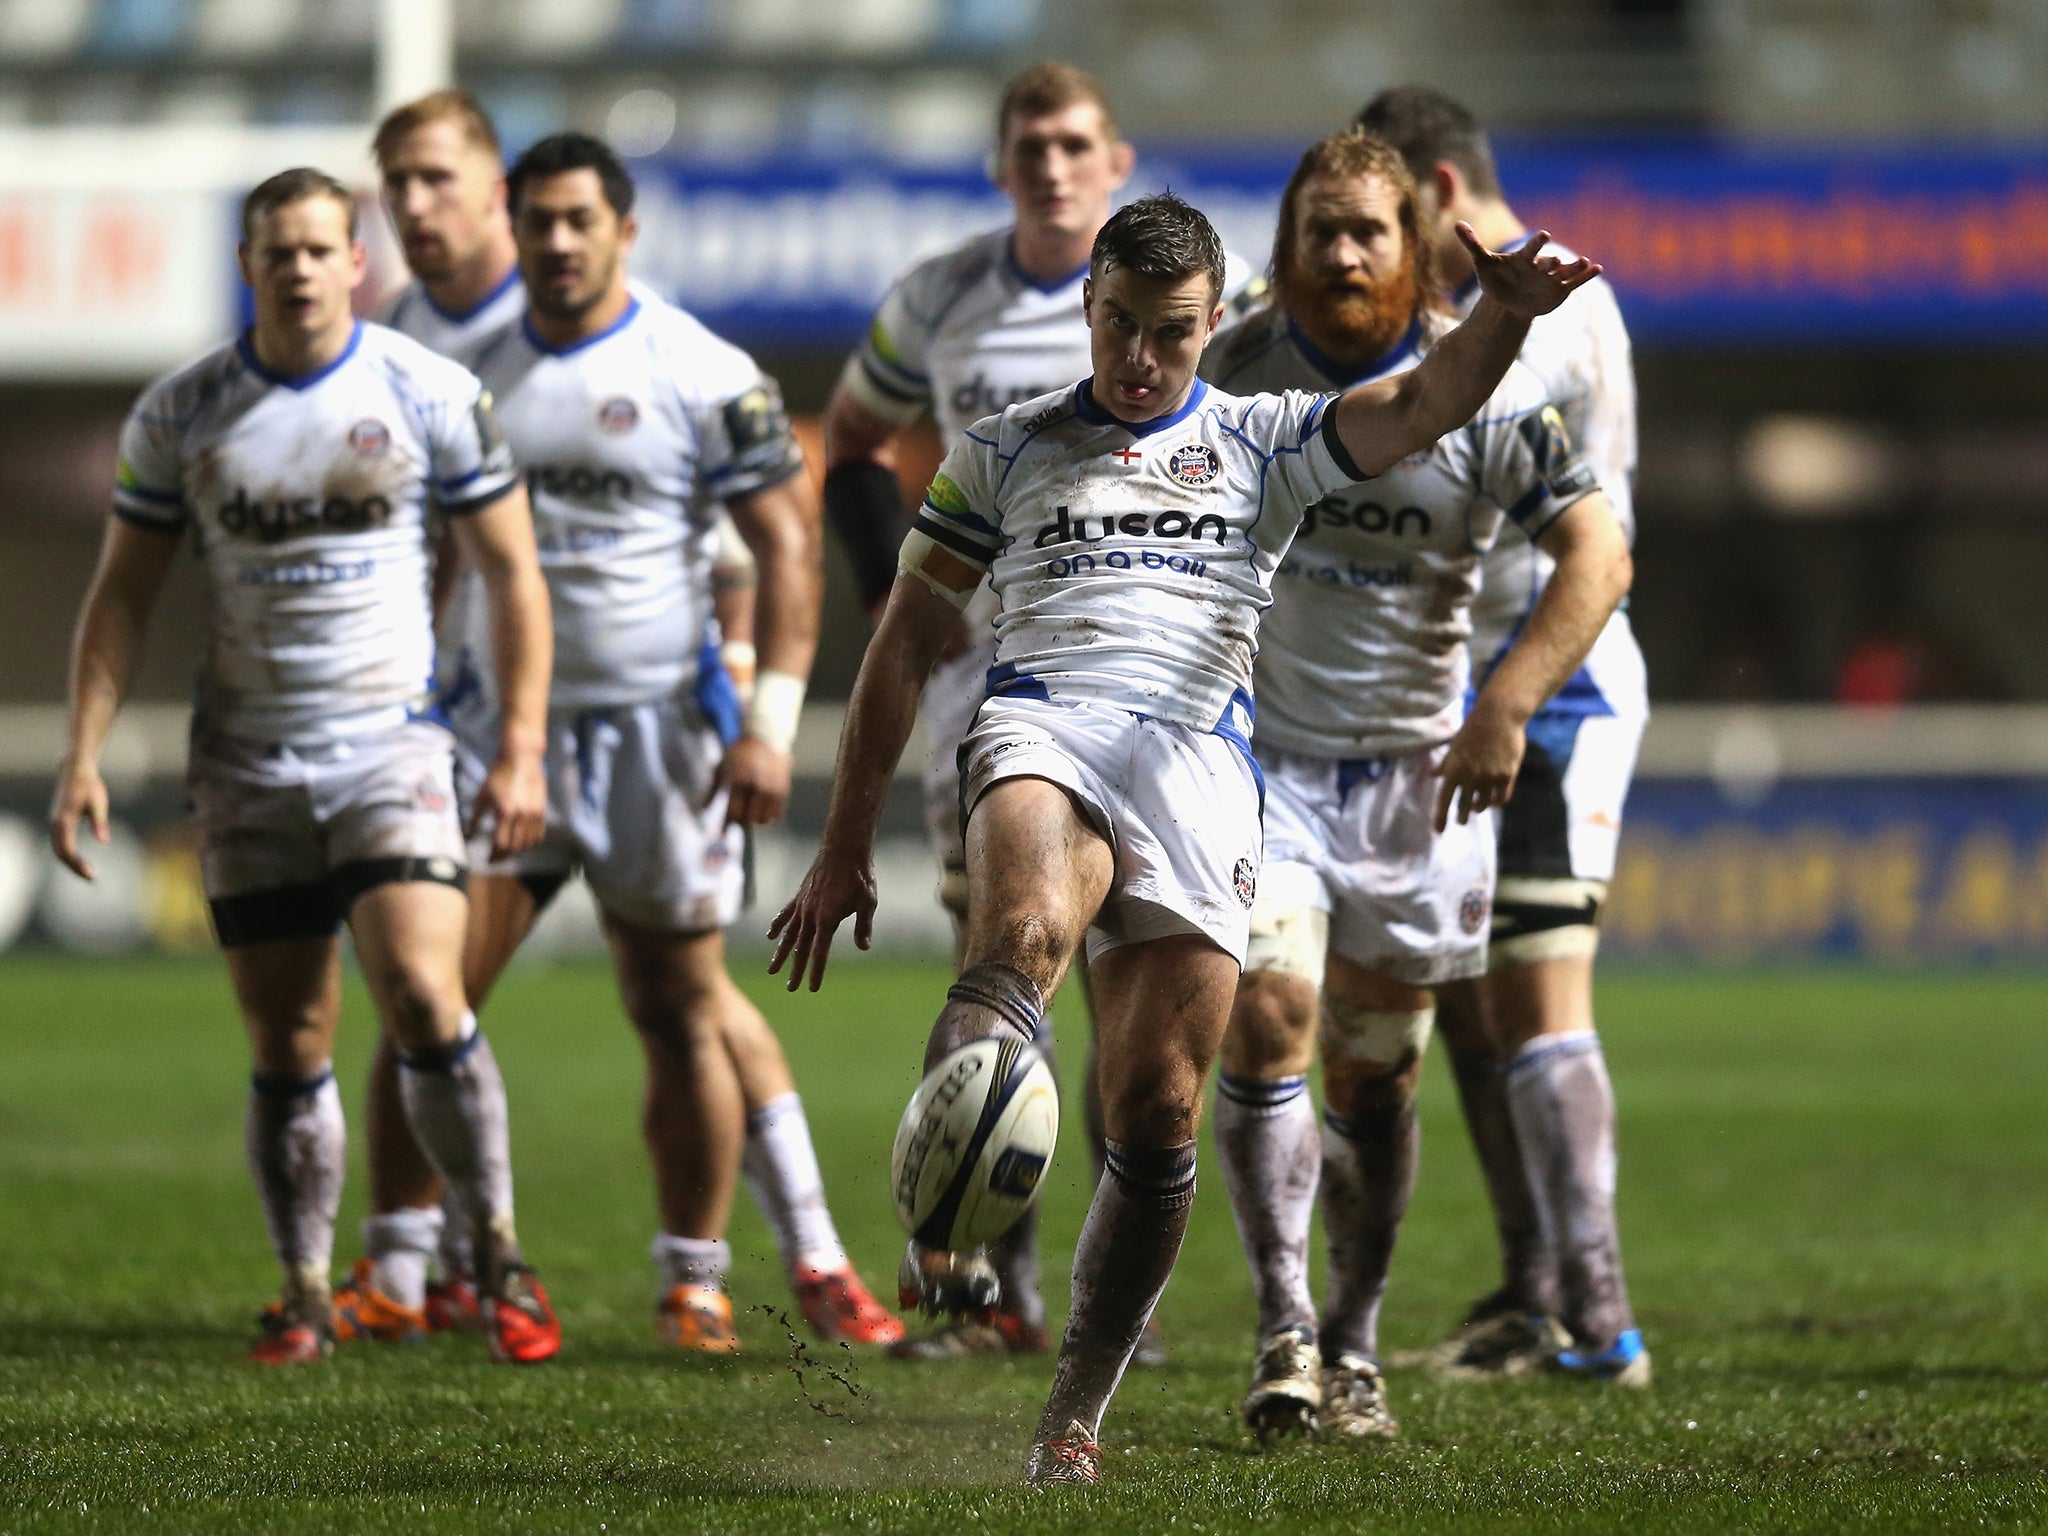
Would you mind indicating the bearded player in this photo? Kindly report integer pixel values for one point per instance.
(1130, 525)
(635, 424)
(1530, 1071)
(444, 189)
(303, 459)
(1371, 897)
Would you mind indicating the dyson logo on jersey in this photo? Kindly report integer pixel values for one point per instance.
(578, 482)
(1366, 517)
(1066, 529)
(274, 521)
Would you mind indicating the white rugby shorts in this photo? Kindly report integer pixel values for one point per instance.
(951, 697)
(290, 836)
(1357, 840)
(628, 787)
(1179, 808)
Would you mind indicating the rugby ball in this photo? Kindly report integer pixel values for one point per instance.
(974, 1145)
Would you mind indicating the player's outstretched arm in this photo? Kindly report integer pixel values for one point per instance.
(498, 541)
(841, 880)
(1593, 573)
(780, 524)
(1380, 424)
(133, 564)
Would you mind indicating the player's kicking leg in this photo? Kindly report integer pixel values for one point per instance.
(289, 993)
(410, 937)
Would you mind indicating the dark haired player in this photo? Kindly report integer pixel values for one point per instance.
(1372, 897)
(634, 424)
(1130, 525)
(303, 459)
(1530, 1070)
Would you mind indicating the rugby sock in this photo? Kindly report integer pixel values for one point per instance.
(1014, 1255)
(1564, 1116)
(455, 1099)
(989, 999)
(1272, 1160)
(400, 1246)
(692, 1261)
(1128, 1245)
(455, 1254)
(1528, 1274)
(1369, 1161)
(298, 1151)
(781, 1169)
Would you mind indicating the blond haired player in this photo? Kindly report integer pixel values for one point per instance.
(1130, 525)
(303, 460)
(444, 189)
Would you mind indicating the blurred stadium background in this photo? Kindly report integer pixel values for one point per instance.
(1827, 219)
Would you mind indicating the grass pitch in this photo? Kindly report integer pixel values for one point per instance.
(1833, 1196)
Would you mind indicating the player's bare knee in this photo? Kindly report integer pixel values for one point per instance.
(1272, 1026)
(419, 1008)
(1034, 943)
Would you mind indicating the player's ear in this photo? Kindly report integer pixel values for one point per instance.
(1448, 182)
(629, 231)
(358, 263)
(1123, 159)
(1087, 296)
(242, 261)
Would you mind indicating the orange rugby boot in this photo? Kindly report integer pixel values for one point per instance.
(361, 1311)
(519, 1322)
(839, 1308)
(697, 1318)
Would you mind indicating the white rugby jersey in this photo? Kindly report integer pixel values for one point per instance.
(307, 499)
(1581, 352)
(1131, 563)
(465, 608)
(1364, 653)
(967, 332)
(413, 311)
(630, 441)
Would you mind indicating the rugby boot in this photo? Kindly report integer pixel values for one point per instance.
(839, 1308)
(697, 1318)
(1355, 1401)
(1479, 1321)
(1624, 1363)
(1287, 1386)
(361, 1311)
(519, 1322)
(453, 1307)
(989, 1332)
(1074, 1459)
(941, 1284)
(293, 1335)
(1509, 1345)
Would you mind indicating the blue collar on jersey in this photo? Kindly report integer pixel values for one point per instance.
(245, 348)
(535, 340)
(1096, 416)
(1467, 292)
(482, 304)
(1012, 266)
(1344, 376)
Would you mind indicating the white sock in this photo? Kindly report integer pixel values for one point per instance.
(781, 1169)
(400, 1246)
(1563, 1104)
(692, 1261)
(455, 1099)
(1272, 1155)
(455, 1254)
(297, 1143)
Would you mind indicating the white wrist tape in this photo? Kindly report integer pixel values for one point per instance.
(775, 710)
(738, 656)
